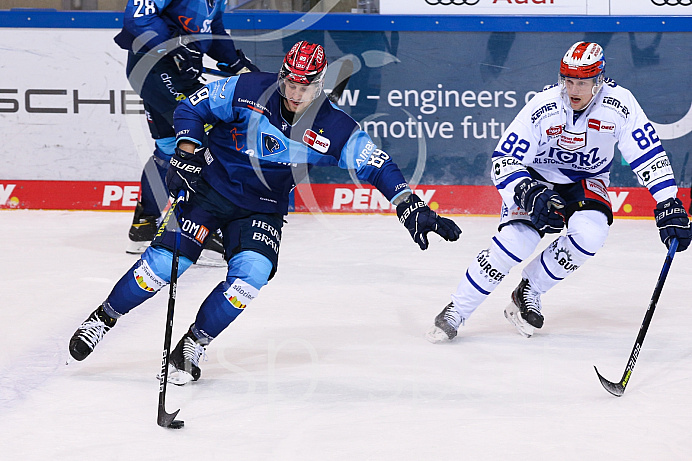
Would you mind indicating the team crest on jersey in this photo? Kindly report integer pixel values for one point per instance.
(316, 141)
(271, 145)
(572, 141)
(603, 127)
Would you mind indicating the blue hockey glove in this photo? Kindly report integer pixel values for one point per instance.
(544, 206)
(419, 219)
(188, 58)
(672, 221)
(242, 65)
(184, 172)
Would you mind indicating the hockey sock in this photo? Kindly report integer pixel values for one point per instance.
(247, 273)
(508, 248)
(587, 232)
(154, 191)
(144, 279)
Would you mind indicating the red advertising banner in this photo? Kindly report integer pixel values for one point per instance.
(69, 195)
(308, 198)
(454, 200)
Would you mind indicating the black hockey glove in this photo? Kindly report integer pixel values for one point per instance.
(188, 58)
(184, 172)
(544, 206)
(242, 65)
(419, 219)
(672, 221)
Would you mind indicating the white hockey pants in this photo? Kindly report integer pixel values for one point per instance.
(514, 243)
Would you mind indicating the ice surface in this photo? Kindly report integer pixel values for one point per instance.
(330, 361)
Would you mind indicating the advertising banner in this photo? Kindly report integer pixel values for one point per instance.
(307, 198)
(486, 7)
(538, 7)
(437, 102)
(651, 7)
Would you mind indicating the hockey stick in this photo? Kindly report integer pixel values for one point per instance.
(218, 73)
(617, 389)
(163, 418)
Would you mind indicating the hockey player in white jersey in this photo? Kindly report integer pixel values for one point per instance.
(551, 168)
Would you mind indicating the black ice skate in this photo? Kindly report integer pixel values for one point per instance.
(183, 365)
(446, 325)
(525, 310)
(212, 252)
(142, 231)
(89, 333)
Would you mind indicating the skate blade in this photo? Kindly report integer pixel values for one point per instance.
(211, 258)
(136, 248)
(512, 315)
(436, 335)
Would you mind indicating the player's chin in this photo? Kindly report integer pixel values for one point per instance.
(297, 106)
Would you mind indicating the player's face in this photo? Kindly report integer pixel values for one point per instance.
(299, 97)
(579, 91)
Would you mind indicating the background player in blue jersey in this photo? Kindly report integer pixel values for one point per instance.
(166, 40)
(268, 131)
(552, 169)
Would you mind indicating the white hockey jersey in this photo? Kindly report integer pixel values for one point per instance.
(545, 137)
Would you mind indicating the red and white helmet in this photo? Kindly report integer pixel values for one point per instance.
(584, 60)
(304, 64)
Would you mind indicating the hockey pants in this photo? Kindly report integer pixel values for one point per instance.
(586, 234)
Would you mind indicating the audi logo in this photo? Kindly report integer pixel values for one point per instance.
(671, 2)
(457, 2)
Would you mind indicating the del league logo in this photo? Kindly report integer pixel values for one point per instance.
(603, 127)
(316, 141)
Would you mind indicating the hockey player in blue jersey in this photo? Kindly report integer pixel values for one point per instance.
(268, 130)
(166, 40)
(551, 168)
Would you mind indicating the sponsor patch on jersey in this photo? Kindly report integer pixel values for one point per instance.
(147, 279)
(271, 145)
(240, 294)
(543, 111)
(554, 130)
(505, 166)
(316, 141)
(603, 127)
(597, 187)
(615, 104)
(572, 141)
(652, 171)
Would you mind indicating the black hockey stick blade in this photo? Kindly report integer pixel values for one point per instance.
(617, 389)
(165, 419)
(342, 78)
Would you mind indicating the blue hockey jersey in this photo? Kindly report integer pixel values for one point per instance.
(153, 22)
(256, 157)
